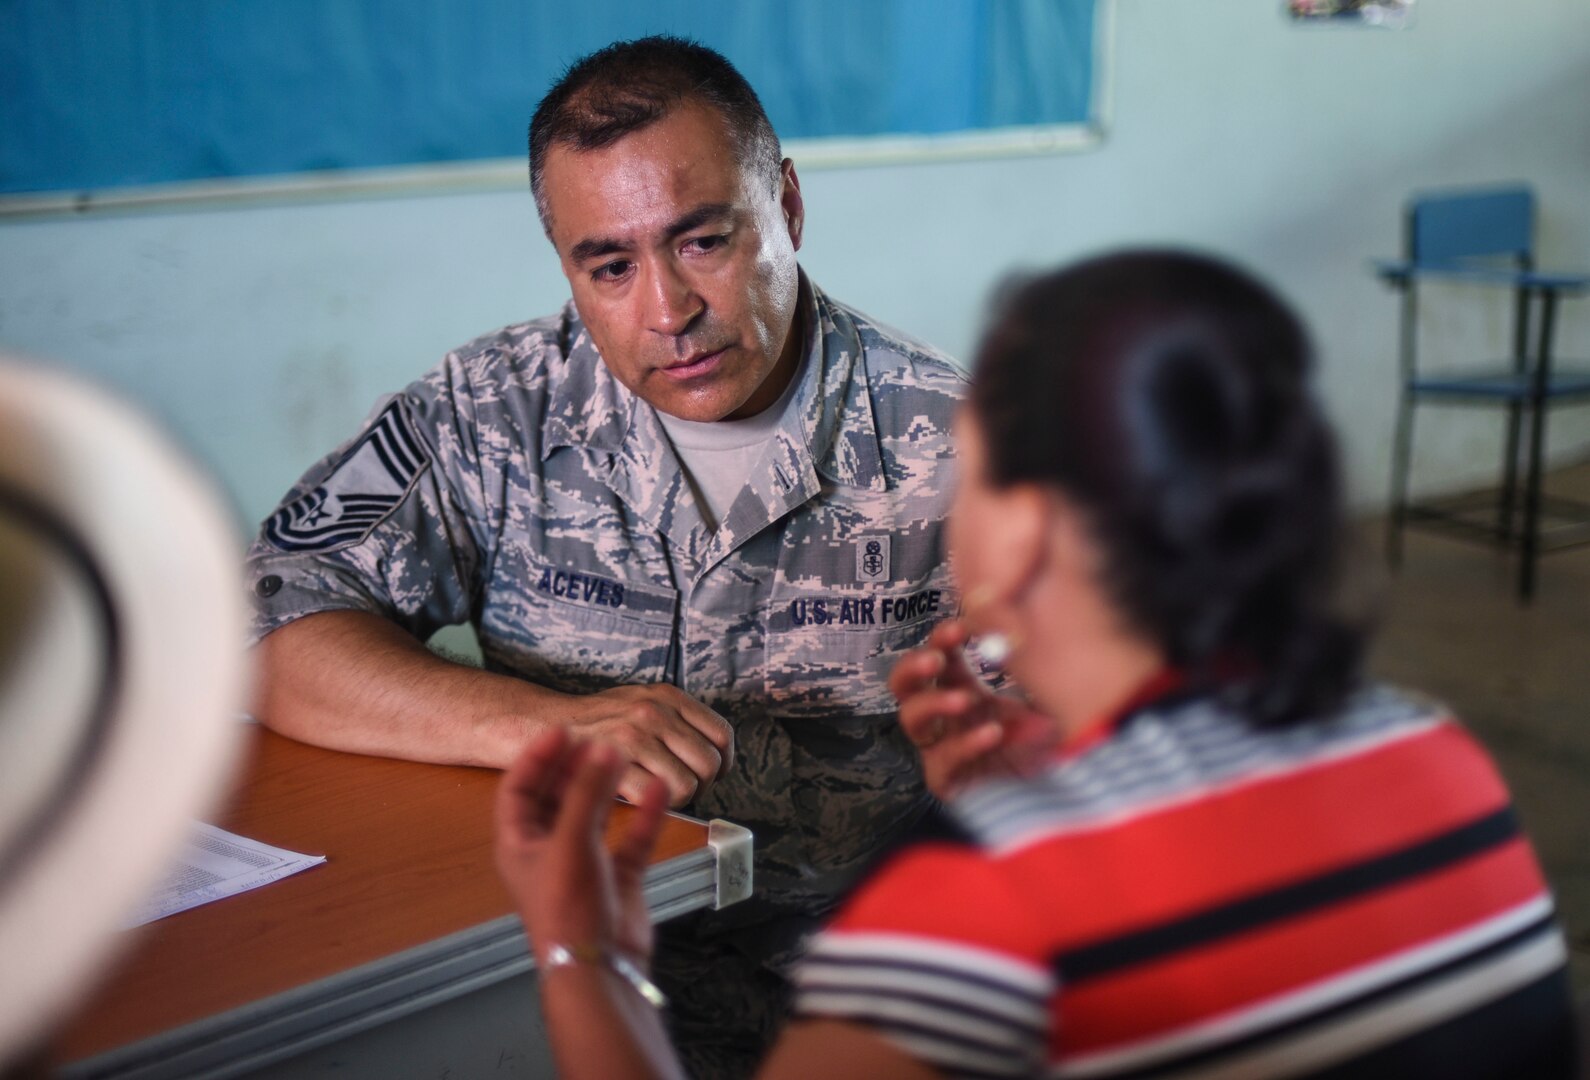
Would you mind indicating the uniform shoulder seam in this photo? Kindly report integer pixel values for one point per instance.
(879, 336)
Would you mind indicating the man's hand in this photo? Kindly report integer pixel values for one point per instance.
(963, 729)
(551, 814)
(350, 680)
(663, 731)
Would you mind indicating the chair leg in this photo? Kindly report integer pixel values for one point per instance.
(1402, 441)
(1507, 500)
(1402, 448)
(1530, 549)
(1507, 506)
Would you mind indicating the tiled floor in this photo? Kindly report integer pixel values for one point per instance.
(1518, 676)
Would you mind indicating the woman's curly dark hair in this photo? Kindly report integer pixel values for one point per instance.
(1167, 395)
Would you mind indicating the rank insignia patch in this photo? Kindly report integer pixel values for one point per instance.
(872, 558)
(366, 486)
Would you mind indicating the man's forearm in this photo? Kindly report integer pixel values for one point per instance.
(353, 681)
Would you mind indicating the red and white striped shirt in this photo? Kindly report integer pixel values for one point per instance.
(1191, 896)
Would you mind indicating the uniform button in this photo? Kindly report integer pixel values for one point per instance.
(269, 585)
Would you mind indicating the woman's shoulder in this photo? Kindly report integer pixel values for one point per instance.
(1184, 748)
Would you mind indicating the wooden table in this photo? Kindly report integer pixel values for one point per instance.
(406, 912)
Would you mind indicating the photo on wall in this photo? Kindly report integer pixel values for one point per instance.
(1388, 14)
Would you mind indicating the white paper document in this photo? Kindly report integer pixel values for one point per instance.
(217, 864)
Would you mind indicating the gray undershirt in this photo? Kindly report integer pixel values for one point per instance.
(717, 456)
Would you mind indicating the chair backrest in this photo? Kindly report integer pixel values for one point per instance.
(1446, 227)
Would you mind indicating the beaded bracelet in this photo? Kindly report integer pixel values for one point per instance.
(559, 956)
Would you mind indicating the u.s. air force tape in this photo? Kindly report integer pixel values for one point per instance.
(366, 485)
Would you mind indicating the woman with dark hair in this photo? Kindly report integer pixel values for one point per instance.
(1200, 845)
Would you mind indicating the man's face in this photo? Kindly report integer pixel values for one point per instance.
(682, 264)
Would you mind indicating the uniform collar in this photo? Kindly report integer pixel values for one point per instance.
(588, 409)
(586, 406)
(830, 432)
(835, 404)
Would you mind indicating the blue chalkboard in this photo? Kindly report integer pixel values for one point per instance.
(104, 93)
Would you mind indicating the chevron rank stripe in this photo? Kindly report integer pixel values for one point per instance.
(370, 481)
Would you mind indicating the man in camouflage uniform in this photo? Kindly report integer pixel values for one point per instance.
(738, 648)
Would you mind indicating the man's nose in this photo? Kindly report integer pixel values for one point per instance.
(672, 305)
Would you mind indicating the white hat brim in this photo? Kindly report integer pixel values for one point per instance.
(107, 807)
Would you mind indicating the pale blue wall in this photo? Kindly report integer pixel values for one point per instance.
(263, 334)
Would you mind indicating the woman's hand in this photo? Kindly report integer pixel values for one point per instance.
(570, 887)
(964, 730)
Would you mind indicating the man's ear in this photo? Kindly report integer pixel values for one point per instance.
(790, 201)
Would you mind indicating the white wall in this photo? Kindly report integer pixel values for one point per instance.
(263, 334)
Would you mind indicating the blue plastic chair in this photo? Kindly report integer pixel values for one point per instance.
(1486, 239)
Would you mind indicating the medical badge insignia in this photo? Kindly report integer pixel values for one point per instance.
(367, 484)
(872, 558)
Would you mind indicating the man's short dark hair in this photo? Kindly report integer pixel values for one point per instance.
(633, 84)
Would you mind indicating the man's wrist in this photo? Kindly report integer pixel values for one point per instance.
(522, 710)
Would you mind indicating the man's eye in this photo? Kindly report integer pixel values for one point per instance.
(611, 271)
(706, 243)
